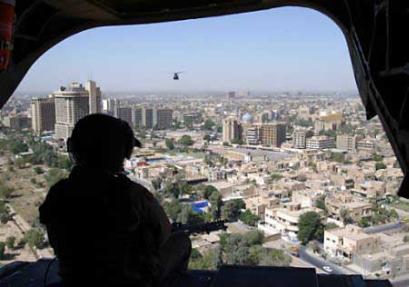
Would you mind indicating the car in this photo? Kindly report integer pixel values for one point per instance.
(327, 269)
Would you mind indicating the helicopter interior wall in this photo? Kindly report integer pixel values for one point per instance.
(42, 24)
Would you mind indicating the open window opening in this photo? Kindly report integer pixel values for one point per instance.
(253, 119)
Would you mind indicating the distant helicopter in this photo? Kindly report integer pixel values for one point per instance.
(176, 75)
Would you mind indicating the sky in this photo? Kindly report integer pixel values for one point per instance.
(284, 49)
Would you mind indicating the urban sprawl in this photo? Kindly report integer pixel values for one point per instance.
(303, 179)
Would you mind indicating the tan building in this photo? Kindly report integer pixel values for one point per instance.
(94, 93)
(345, 204)
(71, 104)
(347, 142)
(320, 142)
(42, 114)
(231, 129)
(349, 241)
(272, 134)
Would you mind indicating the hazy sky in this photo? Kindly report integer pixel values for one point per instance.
(279, 49)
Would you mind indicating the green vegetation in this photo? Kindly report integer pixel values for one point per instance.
(54, 175)
(310, 227)
(216, 203)
(231, 209)
(34, 238)
(380, 165)
(330, 226)
(169, 144)
(276, 176)
(249, 218)
(5, 215)
(237, 141)
(208, 261)
(2, 250)
(209, 124)
(247, 249)
(10, 242)
(186, 141)
(320, 202)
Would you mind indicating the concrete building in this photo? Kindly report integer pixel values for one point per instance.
(125, 114)
(299, 139)
(94, 94)
(346, 204)
(137, 116)
(231, 129)
(71, 104)
(17, 122)
(148, 118)
(164, 119)
(347, 142)
(42, 115)
(349, 241)
(366, 145)
(320, 142)
(272, 134)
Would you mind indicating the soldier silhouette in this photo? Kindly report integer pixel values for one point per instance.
(105, 229)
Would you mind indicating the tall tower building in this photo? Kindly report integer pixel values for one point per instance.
(137, 116)
(94, 92)
(231, 129)
(71, 104)
(164, 118)
(272, 134)
(299, 139)
(42, 114)
(148, 118)
(125, 114)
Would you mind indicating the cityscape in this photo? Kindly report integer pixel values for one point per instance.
(302, 178)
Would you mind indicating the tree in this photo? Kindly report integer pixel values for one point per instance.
(207, 191)
(157, 183)
(216, 203)
(187, 216)
(38, 170)
(380, 165)
(231, 209)
(276, 176)
(2, 250)
(310, 227)
(249, 218)
(54, 175)
(320, 202)
(169, 144)
(238, 141)
(186, 140)
(330, 226)
(5, 215)
(17, 147)
(172, 209)
(10, 242)
(406, 238)
(207, 261)
(34, 238)
(209, 124)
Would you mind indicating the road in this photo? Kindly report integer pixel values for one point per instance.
(383, 227)
(318, 262)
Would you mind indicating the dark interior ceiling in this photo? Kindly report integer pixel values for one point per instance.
(375, 31)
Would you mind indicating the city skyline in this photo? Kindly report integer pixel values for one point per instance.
(302, 50)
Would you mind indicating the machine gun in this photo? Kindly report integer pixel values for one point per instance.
(199, 227)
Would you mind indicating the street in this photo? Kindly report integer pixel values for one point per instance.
(320, 263)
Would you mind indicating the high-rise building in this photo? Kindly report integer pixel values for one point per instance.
(252, 135)
(148, 118)
(125, 114)
(94, 93)
(272, 134)
(42, 114)
(299, 139)
(137, 117)
(164, 119)
(108, 106)
(347, 142)
(231, 129)
(71, 104)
